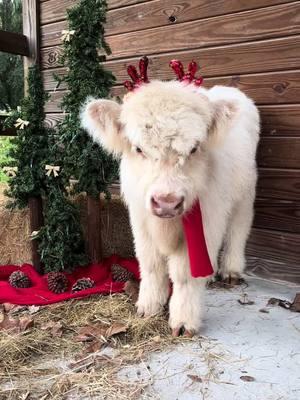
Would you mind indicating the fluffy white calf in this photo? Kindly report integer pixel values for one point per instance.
(178, 144)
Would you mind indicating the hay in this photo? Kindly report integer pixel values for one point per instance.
(14, 234)
(15, 246)
(53, 367)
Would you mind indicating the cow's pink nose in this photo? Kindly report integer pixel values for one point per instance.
(167, 206)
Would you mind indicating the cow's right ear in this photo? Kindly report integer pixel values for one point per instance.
(101, 119)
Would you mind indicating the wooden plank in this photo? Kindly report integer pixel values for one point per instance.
(278, 184)
(35, 205)
(51, 57)
(155, 13)
(266, 88)
(262, 56)
(31, 26)
(270, 88)
(165, 12)
(14, 43)
(51, 34)
(277, 246)
(51, 120)
(270, 22)
(269, 269)
(279, 152)
(283, 120)
(94, 229)
(111, 3)
(278, 215)
(50, 83)
(54, 10)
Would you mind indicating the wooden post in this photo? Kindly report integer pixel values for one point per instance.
(94, 229)
(31, 29)
(36, 222)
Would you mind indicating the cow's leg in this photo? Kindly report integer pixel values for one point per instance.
(233, 258)
(186, 304)
(154, 286)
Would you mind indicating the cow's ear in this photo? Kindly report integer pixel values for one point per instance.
(223, 113)
(101, 119)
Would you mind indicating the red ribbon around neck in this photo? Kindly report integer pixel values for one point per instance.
(200, 264)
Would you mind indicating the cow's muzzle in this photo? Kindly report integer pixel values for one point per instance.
(167, 206)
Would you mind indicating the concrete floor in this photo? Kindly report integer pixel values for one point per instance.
(238, 341)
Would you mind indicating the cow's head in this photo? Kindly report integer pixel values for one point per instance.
(165, 130)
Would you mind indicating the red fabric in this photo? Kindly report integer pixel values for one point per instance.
(200, 264)
(39, 294)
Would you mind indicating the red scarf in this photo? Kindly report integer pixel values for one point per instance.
(200, 264)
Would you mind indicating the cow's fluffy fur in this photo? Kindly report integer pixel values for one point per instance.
(154, 132)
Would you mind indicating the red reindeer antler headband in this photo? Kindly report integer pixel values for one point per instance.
(137, 79)
(189, 77)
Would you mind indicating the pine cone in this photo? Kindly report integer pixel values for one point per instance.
(19, 280)
(121, 274)
(82, 284)
(57, 282)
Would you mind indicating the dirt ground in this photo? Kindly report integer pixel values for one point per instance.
(98, 348)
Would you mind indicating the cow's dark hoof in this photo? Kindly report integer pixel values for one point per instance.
(181, 331)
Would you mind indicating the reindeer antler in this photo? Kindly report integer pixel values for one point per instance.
(137, 78)
(189, 77)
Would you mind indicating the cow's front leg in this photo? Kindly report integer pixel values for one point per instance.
(154, 286)
(186, 304)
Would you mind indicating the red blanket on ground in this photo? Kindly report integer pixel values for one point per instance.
(39, 294)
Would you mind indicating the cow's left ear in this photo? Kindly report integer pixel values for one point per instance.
(223, 113)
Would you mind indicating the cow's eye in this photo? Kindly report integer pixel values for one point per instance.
(194, 149)
(138, 150)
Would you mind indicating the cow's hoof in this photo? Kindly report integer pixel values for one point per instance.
(225, 281)
(181, 331)
(148, 310)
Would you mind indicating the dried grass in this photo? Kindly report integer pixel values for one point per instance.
(48, 367)
(15, 247)
(14, 233)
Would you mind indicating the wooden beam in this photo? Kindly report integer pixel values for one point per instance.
(31, 27)
(35, 205)
(14, 43)
(6, 131)
(94, 229)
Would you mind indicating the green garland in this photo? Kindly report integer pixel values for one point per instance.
(69, 149)
(61, 242)
(30, 146)
(84, 160)
(62, 245)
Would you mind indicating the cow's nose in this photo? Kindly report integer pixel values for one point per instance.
(167, 206)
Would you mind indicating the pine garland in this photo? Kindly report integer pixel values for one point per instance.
(45, 160)
(61, 243)
(62, 246)
(84, 160)
(30, 146)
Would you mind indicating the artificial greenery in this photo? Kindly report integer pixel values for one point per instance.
(69, 149)
(61, 243)
(60, 240)
(30, 146)
(86, 77)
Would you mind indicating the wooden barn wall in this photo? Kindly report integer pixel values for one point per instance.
(253, 45)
